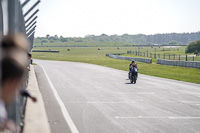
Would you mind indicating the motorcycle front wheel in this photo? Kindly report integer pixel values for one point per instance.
(131, 78)
(134, 78)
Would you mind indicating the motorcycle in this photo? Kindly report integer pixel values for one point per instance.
(132, 75)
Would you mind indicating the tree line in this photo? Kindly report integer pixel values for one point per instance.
(168, 38)
(193, 47)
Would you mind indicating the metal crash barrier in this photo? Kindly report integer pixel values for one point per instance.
(190, 64)
(116, 56)
(18, 16)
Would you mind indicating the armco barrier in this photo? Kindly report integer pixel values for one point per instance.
(190, 64)
(116, 56)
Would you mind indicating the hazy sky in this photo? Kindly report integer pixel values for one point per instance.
(77, 18)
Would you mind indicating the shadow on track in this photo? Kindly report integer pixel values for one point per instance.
(128, 83)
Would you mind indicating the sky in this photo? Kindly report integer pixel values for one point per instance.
(78, 18)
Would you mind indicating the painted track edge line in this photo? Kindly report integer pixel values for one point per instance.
(62, 106)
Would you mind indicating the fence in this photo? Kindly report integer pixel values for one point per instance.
(14, 18)
(116, 56)
(165, 56)
(190, 64)
(162, 48)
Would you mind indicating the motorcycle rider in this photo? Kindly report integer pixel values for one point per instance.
(133, 64)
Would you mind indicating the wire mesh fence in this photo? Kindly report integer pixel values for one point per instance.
(17, 17)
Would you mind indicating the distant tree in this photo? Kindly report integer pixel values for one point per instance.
(44, 41)
(62, 39)
(193, 47)
(104, 35)
(169, 38)
(47, 36)
(172, 42)
(54, 38)
(78, 40)
(180, 43)
(51, 39)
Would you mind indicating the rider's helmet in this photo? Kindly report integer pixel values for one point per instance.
(133, 64)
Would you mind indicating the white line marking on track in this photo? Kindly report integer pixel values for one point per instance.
(145, 93)
(184, 117)
(63, 109)
(170, 117)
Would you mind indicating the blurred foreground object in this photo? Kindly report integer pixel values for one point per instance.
(14, 66)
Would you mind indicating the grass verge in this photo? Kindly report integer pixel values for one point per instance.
(94, 56)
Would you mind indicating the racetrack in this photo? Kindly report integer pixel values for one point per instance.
(101, 100)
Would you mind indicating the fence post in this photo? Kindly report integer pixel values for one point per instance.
(193, 58)
(1, 19)
(179, 57)
(186, 58)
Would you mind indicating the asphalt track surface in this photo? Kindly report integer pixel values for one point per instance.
(97, 99)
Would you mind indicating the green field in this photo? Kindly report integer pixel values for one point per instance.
(94, 56)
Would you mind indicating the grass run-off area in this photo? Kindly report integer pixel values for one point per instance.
(94, 56)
